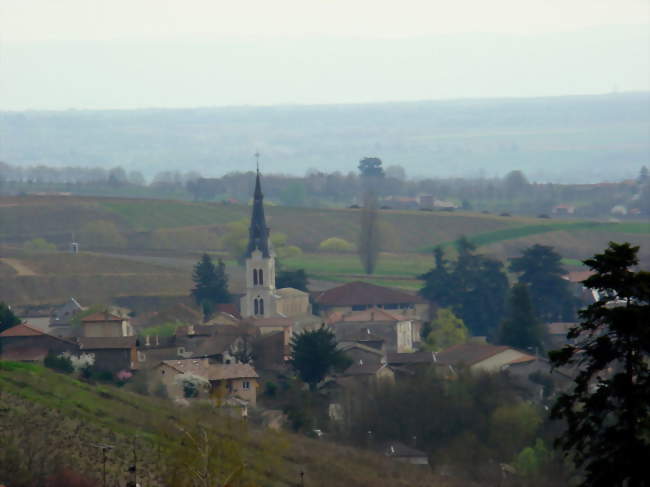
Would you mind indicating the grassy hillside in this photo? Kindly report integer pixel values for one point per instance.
(45, 414)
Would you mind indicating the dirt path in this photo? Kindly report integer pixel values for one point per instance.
(20, 268)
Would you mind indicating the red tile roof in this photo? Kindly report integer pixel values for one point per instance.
(22, 330)
(362, 293)
(102, 316)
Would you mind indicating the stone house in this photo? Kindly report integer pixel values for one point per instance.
(359, 296)
(24, 342)
(111, 354)
(104, 324)
(481, 357)
(363, 373)
(225, 380)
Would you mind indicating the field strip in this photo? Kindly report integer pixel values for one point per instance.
(20, 268)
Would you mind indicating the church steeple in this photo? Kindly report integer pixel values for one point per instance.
(258, 235)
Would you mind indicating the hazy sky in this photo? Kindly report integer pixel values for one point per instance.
(59, 54)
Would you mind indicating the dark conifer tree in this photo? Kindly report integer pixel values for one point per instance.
(210, 285)
(608, 410)
(520, 328)
(540, 267)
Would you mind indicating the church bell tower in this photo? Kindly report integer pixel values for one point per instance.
(259, 300)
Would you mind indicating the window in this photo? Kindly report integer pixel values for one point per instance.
(261, 306)
(261, 278)
(246, 385)
(162, 372)
(256, 306)
(360, 307)
(254, 277)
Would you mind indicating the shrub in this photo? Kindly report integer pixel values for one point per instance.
(289, 252)
(39, 245)
(270, 389)
(60, 363)
(336, 244)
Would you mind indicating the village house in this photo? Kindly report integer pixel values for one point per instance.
(396, 332)
(218, 343)
(111, 354)
(225, 380)
(365, 373)
(24, 342)
(105, 324)
(481, 357)
(359, 296)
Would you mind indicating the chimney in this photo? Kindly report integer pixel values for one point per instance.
(146, 341)
(360, 361)
(157, 340)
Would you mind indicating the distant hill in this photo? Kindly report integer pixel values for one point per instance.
(568, 139)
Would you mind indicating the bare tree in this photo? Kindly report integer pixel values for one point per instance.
(369, 235)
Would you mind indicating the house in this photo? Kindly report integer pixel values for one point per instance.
(225, 380)
(396, 332)
(359, 296)
(481, 357)
(105, 324)
(63, 315)
(24, 342)
(112, 354)
(563, 210)
(412, 361)
(218, 343)
(358, 351)
(402, 453)
(366, 373)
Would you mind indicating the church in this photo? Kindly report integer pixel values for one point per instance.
(262, 299)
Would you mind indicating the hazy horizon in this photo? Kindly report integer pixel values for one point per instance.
(149, 54)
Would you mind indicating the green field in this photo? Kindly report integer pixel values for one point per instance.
(159, 241)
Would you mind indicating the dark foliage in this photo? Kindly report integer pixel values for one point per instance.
(7, 317)
(210, 284)
(295, 279)
(60, 364)
(314, 355)
(540, 267)
(520, 328)
(474, 287)
(608, 411)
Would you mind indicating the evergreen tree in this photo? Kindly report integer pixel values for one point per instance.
(210, 285)
(520, 328)
(608, 411)
(474, 287)
(540, 267)
(7, 317)
(314, 354)
(295, 279)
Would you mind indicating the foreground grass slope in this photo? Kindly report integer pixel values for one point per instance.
(83, 415)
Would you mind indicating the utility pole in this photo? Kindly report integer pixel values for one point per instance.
(104, 447)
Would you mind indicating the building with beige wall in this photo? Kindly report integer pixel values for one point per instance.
(104, 324)
(222, 381)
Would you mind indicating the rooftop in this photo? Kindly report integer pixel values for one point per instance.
(203, 368)
(362, 293)
(102, 316)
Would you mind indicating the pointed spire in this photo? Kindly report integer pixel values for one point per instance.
(258, 235)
